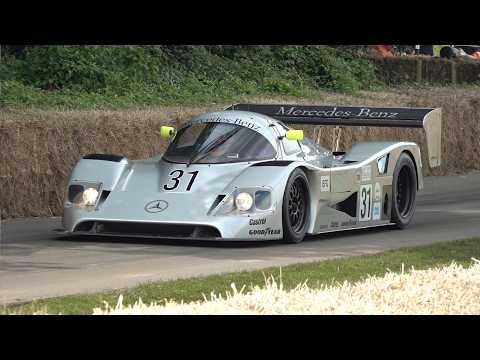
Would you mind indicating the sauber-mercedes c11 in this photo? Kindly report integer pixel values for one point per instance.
(244, 174)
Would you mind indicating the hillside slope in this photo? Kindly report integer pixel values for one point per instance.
(121, 76)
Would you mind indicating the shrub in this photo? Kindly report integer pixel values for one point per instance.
(124, 75)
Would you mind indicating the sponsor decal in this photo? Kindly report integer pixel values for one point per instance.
(220, 119)
(264, 232)
(323, 226)
(335, 112)
(325, 183)
(376, 210)
(254, 222)
(358, 177)
(365, 195)
(366, 173)
(175, 177)
(377, 192)
(334, 224)
(349, 223)
(156, 206)
(246, 124)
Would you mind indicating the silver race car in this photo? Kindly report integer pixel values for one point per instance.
(243, 174)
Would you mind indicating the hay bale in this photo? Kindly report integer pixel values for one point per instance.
(41, 147)
(448, 290)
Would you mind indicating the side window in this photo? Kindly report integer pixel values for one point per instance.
(290, 146)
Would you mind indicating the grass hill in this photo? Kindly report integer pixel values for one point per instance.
(105, 76)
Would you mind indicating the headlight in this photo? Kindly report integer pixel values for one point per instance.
(263, 200)
(244, 201)
(83, 195)
(89, 196)
(74, 193)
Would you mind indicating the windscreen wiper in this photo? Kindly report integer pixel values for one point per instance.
(205, 152)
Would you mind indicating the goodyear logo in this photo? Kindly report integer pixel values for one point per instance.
(264, 232)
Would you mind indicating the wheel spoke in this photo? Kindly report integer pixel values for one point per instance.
(296, 205)
(404, 189)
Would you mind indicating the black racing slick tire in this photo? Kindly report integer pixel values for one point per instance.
(296, 207)
(404, 191)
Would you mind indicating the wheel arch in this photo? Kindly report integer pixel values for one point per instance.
(100, 168)
(403, 215)
(410, 154)
(307, 174)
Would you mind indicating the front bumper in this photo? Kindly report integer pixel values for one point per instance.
(255, 227)
(179, 238)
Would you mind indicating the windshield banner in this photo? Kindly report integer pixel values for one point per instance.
(226, 120)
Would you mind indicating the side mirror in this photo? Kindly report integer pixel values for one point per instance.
(294, 135)
(168, 132)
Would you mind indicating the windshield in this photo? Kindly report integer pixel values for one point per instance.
(214, 143)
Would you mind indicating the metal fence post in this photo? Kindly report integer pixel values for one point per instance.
(454, 72)
(419, 70)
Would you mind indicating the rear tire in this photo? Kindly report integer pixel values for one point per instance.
(296, 207)
(404, 191)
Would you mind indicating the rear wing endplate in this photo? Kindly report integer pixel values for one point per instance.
(430, 119)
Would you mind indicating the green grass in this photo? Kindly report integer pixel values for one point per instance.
(329, 272)
(15, 95)
(123, 76)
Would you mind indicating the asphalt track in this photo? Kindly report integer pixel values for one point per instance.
(37, 263)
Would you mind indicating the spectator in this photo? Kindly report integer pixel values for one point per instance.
(451, 52)
(382, 50)
(426, 50)
(476, 54)
(406, 49)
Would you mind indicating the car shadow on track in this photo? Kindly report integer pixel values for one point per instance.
(351, 233)
(92, 239)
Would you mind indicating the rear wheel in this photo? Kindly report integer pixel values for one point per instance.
(296, 207)
(404, 191)
(446, 52)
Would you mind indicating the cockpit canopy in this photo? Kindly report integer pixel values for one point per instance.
(217, 143)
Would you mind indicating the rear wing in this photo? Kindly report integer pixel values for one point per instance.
(430, 119)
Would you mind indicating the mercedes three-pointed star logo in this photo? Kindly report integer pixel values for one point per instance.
(156, 206)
